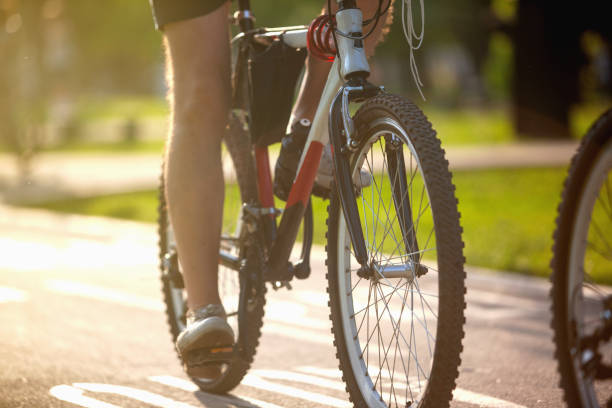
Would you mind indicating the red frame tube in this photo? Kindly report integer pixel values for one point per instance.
(264, 177)
(302, 187)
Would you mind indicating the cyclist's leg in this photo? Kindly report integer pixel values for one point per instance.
(317, 70)
(198, 65)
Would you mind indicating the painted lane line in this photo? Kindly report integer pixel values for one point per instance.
(86, 290)
(185, 385)
(301, 378)
(459, 393)
(333, 373)
(324, 383)
(251, 380)
(135, 394)
(75, 396)
(482, 400)
(297, 333)
(324, 372)
(12, 295)
(174, 382)
(496, 314)
(338, 385)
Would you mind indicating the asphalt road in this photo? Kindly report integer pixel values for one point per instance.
(82, 324)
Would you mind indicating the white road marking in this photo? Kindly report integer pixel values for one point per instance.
(75, 396)
(174, 382)
(105, 294)
(459, 394)
(325, 372)
(495, 313)
(482, 400)
(301, 378)
(331, 373)
(251, 380)
(12, 295)
(283, 324)
(297, 333)
(135, 394)
(257, 379)
(186, 385)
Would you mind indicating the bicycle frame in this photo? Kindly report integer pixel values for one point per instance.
(353, 66)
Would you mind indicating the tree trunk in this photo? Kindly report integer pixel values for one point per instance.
(546, 72)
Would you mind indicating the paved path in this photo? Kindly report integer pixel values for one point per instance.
(60, 174)
(82, 324)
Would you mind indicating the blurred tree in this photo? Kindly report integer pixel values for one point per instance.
(22, 80)
(548, 61)
(116, 47)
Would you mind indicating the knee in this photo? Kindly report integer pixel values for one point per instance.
(200, 100)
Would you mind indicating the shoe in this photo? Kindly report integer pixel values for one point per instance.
(292, 146)
(207, 332)
(325, 173)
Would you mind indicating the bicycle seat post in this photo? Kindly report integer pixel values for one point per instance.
(245, 16)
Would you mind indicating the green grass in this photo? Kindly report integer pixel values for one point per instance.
(461, 127)
(507, 215)
(138, 146)
(137, 206)
(120, 106)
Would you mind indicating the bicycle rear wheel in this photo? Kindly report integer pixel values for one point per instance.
(582, 272)
(246, 317)
(398, 330)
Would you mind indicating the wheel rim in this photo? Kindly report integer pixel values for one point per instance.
(590, 258)
(389, 324)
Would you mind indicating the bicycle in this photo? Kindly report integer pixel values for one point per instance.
(394, 246)
(582, 256)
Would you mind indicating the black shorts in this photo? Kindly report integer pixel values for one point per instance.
(168, 11)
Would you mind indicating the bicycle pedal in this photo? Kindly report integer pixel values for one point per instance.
(209, 356)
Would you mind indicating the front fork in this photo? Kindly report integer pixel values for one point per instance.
(341, 133)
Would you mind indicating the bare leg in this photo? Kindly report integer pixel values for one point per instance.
(198, 75)
(317, 70)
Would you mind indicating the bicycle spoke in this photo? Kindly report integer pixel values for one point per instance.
(607, 208)
(402, 336)
(386, 296)
(609, 191)
(605, 254)
(601, 235)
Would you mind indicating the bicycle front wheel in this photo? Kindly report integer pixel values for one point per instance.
(243, 303)
(582, 273)
(398, 329)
